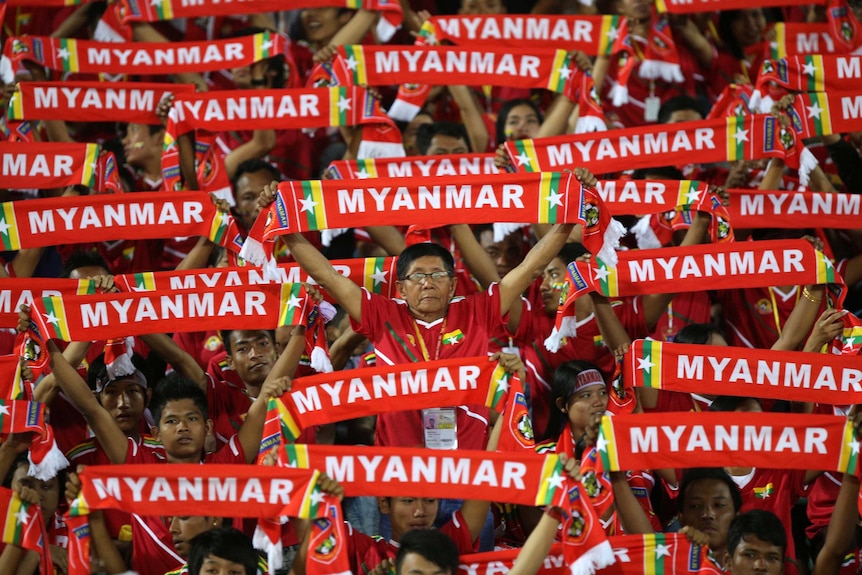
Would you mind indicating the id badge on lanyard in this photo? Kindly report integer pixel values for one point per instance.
(441, 428)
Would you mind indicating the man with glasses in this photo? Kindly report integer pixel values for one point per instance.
(428, 323)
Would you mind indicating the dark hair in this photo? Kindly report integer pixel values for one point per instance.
(503, 115)
(426, 132)
(682, 102)
(416, 251)
(697, 333)
(730, 402)
(430, 544)
(253, 165)
(275, 63)
(226, 333)
(572, 251)
(726, 18)
(225, 543)
(764, 525)
(562, 384)
(665, 173)
(175, 387)
(82, 259)
(701, 473)
(98, 373)
(23, 459)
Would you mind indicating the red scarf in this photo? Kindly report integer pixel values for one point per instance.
(538, 68)
(326, 398)
(706, 141)
(107, 217)
(708, 439)
(87, 56)
(666, 553)
(414, 166)
(789, 375)
(15, 292)
(812, 73)
(820, 113)
(130, 102)
(585, 547)
(850, 340)
(797, 38)
(845, 28)
(116, 315)
(592, 35)
(19, 416)
(635, 197)
(320, 205)
(523, 478)
(518, 434)
(47, 165)
(23, 526)
(794, 210)
(689, 7)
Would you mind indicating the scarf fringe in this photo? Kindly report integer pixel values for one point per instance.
(370, 149)
(320, 362)
(385, 29)
(403, 111)
(326, 236)
(503, 229)
(270, 271)
(252, 251)
(611, 242)
(49, 466)
(656, 69)
(568, 328)
(274, 553)
(807, 163)
(594, 559)
(587, 124)
(645, 235)
(619, 95)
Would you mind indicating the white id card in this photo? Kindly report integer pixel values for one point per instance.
(441, 428)
(653, 104)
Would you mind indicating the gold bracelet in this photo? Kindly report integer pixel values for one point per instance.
(807, 295)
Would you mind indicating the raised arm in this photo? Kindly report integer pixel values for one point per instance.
(251, 432)
(841, 530)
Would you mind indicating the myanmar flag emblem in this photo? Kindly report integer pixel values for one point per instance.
(453, 337)
(764, 492)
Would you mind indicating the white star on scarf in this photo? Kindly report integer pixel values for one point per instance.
(555, 481)
(662, 550)
(63, 53)
(22, 517)
(307, 205)
(565, 72)
(343, 104)
(294, 302)
(741, 135)
(602, 273)
(317, 497)
(502, 384)
(814, 111)
(554, 198)
(351, 63)
(645, 364)
(362, 175)
(4, 409)
(51, 318)
(523, 159)
(809, 69)
(155, 2)
(4, 227)
(613, 34)
(692, 197)
(854, 446)
(602, 444)
(379, 276)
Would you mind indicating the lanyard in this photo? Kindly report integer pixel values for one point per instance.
(421, 341)
(775, 315)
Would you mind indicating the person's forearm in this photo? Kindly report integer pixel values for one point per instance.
(198, 257)
(801, 319)
(177, 357)
(537, 546)
(104, 548)
(354, 31)
(288, 361)
(772, 178)
(557, 117)
(632, 515)
(471, 117)
(388, 238)
(475, 258)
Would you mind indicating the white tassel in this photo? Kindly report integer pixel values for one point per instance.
(327, 310)
(403, 111)
(320, 362)
(385, 30)
(587, 124)
(656, 69)
(807, 163)
(645, 235)
(122, 365)
(252, 251)
(326, 236)
(503, 229)
(619, 95)
(47, 469)
(594, 559)
(270, 271)
(274, 552)
(611, 243)
(568, 328)
(765, 105)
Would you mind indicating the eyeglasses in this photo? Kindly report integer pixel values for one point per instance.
(419, 277)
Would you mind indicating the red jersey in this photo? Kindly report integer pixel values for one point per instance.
(754, 317)
(685, 309)
(775, 490)
(201, 345)
(469, 324)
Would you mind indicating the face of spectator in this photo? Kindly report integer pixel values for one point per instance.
(184, 529)
(476, 7)
(252, 355)
(182, 430)
(409, 136)
(406, 513)
(754, 556)
(553, 278)
(416, 564)
(684, 116)
(248, 188)
(321, 24)
(583, 406)
(48, 491)
(428, 298)
(636, 9)
(506, 254)
(140, 146)
(214, 565)
(748, 27)
(442, 145)
(708, 507)
(125, 400)
(522, 123)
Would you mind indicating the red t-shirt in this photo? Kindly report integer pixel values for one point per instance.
(686, 308)
(392, 330)
(750, 315)
(201, 345)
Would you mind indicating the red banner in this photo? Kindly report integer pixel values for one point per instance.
(813, 73)
(15, 292)
(42, 165)
(820, 113)
(132, 102)
(794, 210)
(714, 439)
(788, 375)
(693, 6)
(414, 166)
(171, 9)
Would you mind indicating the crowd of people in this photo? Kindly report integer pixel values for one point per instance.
(460, 290)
